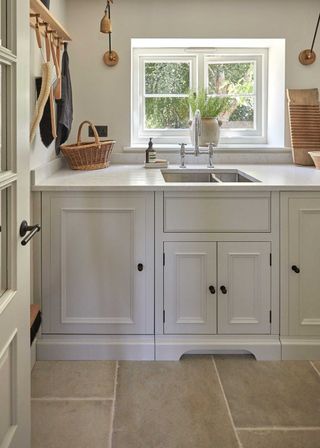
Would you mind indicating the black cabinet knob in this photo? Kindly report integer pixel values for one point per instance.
(223, 289)
(295, 269)
(140, 267)
(212, 289)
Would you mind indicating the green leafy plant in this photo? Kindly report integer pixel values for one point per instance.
(209, 106)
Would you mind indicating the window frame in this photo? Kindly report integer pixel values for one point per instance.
(199, 58)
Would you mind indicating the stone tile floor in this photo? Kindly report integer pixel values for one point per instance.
(198, 402)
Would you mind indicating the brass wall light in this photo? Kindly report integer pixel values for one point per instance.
(111, 57)
(307, 57)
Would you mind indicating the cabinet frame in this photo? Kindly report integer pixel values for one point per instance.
(272, 237)
(101, 326)
(286, 262)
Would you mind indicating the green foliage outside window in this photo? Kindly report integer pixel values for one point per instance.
(169, 104)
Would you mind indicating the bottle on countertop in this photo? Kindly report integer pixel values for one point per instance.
(151, 154)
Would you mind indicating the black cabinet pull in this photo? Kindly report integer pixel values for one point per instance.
(223, 289)
(140, 267)
(212, 289)
(295, 269)
(25, 228)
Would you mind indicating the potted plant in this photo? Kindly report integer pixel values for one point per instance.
(210, 107)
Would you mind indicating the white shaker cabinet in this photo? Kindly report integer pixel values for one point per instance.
(300, 252)
(222, 288)
(244, 290)
(98, 263)
(190, 288)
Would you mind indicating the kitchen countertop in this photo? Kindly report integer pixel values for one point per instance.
(137, 178)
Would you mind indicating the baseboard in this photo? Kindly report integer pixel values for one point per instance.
(300, 348)
(65, 347)
(169, 348)
(264, 348)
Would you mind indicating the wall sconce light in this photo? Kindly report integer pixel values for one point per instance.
(307, 57)
(111, 57)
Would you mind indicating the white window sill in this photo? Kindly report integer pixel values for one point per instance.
(223, 149)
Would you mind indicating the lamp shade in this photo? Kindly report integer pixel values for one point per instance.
(106, 25)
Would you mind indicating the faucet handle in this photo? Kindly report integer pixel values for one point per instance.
(183, 148)
(211, 148)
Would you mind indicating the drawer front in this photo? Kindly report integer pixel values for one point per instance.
(224, 212)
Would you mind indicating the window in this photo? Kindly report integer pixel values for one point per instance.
(162, 79)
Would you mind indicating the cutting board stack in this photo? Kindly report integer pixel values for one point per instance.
(304, 116)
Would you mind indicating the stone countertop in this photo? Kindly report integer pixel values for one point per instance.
(137, 178)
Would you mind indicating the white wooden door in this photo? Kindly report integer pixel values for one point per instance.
(190, 288)
(14, 207)
(98, 263)
(303, 269)
(244, 275)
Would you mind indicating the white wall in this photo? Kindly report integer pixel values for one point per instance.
(39, 153)
(102, 94)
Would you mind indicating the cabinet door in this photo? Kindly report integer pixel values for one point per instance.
(190, 288)
(304, 254)
(244, 276)
(92, 248)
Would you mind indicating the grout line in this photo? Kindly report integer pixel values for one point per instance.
(281, 428)
(113, 404)
(71, 399)
(227, 404)
(315, 368)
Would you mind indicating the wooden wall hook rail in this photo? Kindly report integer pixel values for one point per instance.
(45, 18)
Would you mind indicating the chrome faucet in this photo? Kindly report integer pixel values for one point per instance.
(210, 152)
(183, 155)
(184, 152)
(197, 132)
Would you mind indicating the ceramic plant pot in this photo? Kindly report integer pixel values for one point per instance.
(210, 131)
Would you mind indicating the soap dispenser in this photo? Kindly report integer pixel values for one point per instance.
(150, 153)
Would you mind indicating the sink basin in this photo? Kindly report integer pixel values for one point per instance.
(185, 176)
(234, 176)
(206, 176)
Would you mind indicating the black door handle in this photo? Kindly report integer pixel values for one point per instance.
(223, 289)
(25, 228)
(212, 289)
(295, 269)
(140, 267)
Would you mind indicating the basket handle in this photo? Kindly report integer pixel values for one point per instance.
(96, 136)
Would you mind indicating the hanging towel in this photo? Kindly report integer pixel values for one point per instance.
(42, 100)
(45, 123)
(65, 105)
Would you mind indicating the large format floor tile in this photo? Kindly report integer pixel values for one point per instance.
(263, 394)
(80, 379)
(68, 424)
(280, 439)
(171, 405)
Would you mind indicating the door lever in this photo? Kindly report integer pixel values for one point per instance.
(25, 228)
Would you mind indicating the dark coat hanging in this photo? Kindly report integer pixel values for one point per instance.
(65, 105)
(45, 123)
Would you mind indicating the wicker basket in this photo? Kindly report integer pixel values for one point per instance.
(88, 155)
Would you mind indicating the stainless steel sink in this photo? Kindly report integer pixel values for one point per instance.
(206, 176)
(185, 176)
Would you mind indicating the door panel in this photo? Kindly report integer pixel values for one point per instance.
(8, 386)
(92, 283)
(304, 252)
(244, 270)
(189, 271)
(14, 207)
(3, 242)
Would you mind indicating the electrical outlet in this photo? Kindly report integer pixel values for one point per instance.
(102, 131)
